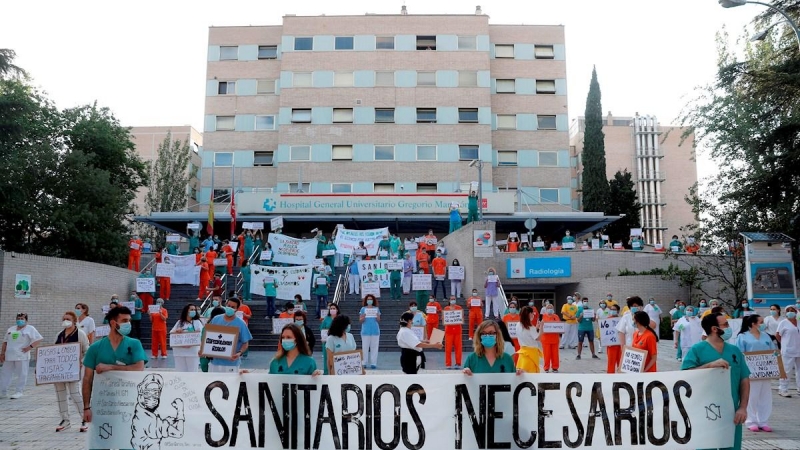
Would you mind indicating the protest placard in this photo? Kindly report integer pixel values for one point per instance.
(276, 223)
(59, 363)
(568, 245)
(102, 331)
(608, 331)
(173, 238)
(588, 313)
(632, 360)
(493, 278)
(348, 363)
(554, 327)
(328, 252)
(185, 339)
(219, 341)
(323, 334)
(398, 265)
(165, 270)
(475, 301)
(421, 282)
(278, 324)
(321, 281)
(765, 365)
(373, 288)
(129, 305)
(253, 225)
(455, 272)
(154, 309)
(513, 328)
(146, 284)
(266, 255)
(419, 332)
(370, 312)
(453, 316)
(437, 335)
(221, 262)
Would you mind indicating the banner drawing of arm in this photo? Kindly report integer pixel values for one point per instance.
(147, 427)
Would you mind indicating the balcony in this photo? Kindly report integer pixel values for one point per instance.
(654, 224)
(650, 153)
(652, 200)
(647, 175)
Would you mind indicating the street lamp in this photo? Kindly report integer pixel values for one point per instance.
(479, 164)
(735, 3)
(760, 36)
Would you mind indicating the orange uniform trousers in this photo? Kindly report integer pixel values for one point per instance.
(164, 287)
(475, 318)
(550, 352)
(613, 353)
(452, 339)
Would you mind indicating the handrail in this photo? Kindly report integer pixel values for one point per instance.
(207, 302)
(148, 266)
(502, 293)
(239, 277)
(341, 284)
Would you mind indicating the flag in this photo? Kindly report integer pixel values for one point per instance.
(210, 226)
(233, 213)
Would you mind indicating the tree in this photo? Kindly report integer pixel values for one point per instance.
(623, 200)
(595, 184)
(7, 68)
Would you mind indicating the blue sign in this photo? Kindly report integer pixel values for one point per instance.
(558, 267)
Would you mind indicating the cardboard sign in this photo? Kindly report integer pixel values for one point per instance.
(554, 327)
(58, 363)
(608, 331)
(154, 309)
(430, 310)
(475, 302)
(421, 282)
(185, 339)
(253, 226)
(513, 328)
(102, 331)
(453, 317)
(276, 223)
(266, 255)
(765, 365)
(145, 284)
(493, 279)
(373, 288)
(165, 270)
(348, 363)
(370, 312)
(394, 265)
(278, 324)
(633, 360)
(588, 314)
(455, 272)
(221, 261)
(328, 252)
(437, 335)
(219, 341)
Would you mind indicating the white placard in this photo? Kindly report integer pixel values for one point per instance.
(102, 330)
(276, 223)
(595, 243)
(58, 363)
(240, 314)
(618, 246)
(748, 313)
(193, 226)
(322, 281)
(512, 234)
(636, 231)
(173, 238)
(278, 324)
(493, 278)
(253, 225)
(411, 245)
(604, 237)
(318, 262)
(360, 252)
(513, 328)
(154, 309)
(455, 272)
(636, 244)
(129, 305)
(554, 327)
(675, 248)
(323, 334)
(453, 317)
(394, 265)
(165, 270)
(220, 261)
(608, 331)
(765, 365)
(347, 363)
(568, 245)
(501, 242)
(383, 253)
(538, 244)
(328, 252)
(431, 310)
(134, 246)
(219, 341)
(475, 302)
(633, 360)
(185, 339)
(373, 288)
(146, 284)
(419, 332)
(588, 313)
(266, 255)
(421, 282)
(371, 312)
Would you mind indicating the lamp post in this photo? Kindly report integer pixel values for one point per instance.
(735, 3)
(479, 164)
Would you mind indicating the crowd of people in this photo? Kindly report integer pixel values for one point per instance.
(525, 242)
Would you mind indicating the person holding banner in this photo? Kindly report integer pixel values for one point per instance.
(194, 241)
(412, 358)
(370, 316)
(423, 260)
(753, 338)
(488, 355)
(743, 309)
(601, 313)
(455, 285)
(164, 283)
(715, 352)
(294, 356)
(475, 312)
(227, 253)
(158, 328)
(229, 319)
(645, 338)
(396, 280)
(569, 312)
(452, 335)
(320, 281)
(549, 340)
(529, 352)
(84, 322)
(187, 358)
(70, 334)
(788, 335)
(324, 327)
(136, 317)
(339, 340)
(15, 355)
(491, 288)
(439, 273)
(472, 207)
(247, 275)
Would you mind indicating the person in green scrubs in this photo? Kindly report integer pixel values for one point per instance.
(715, 352)
(333, 311)
(489, 356)
(294, 356)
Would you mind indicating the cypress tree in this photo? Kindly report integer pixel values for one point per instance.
(596, 191)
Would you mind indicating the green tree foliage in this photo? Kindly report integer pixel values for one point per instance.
(623, 200)
(7, 69)
(594, 183)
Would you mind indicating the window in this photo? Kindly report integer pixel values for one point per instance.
(263, 158)
(342, 115)
(341, 188)
(227, 53)
(467, 78)
(426, 153)
(467, 115)
(384, 153)
(546, 122)
(467, 43)
(343, 43)
(267, 52)
(548, 158)
(506, 158)
(301, 79)
(300, 153)
(301, 115)
(384, 115)
(545, 86)
(506, 86)
(427, 188)
(548, 195)
(384, 79)
(223, 159)
(426, 115)
(383, 188)
(226, 123)
(426, 42)
(467, 152)
(265, 87)
(303, 43)
(543, 52)
(506, 121)
(265, 123)
(342, 152)
(302, 187)
(504, 51)
(222, 195)
(226, 88)
(343, 79)
(426, 78)
(384, 43)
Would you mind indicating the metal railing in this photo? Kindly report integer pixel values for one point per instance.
(148, 266)
(502, 294)
(207, 301)
(645, 175)
(341, 285)
(239, 282)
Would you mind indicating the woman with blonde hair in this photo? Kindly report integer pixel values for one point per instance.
(293, 356)
(84, 322)
(488, 356)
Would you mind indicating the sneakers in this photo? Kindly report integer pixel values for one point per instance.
(373, 367)
(555, 370)
(766, 428)
(785, 394)
(163, 356)
(16, 396)
(63, 425)
(578, 357)
(595, 357)
(754, 429)
(600, 350)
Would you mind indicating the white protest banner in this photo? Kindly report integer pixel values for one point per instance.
(278, 324)
(421, 282)
(289, 250)
(101, 331)
(371, 288)
(146, 284)
(588, 313)
(276, 223)
(371, 312)
(165, 270)
(379, 268)
(291, 280)
(688, 409)
(328, 252)
(185, 339)
(608, 331)
(154, 309)
(347, 363)
(453, 317)
(219, 341)
(253, 226)
(129, 305)
(58, 363)
(347, 240)
(455, 272)
(554, 327)
(186, 269)
(633, 360)
(513, 328)
(765, 365)
(419, 332)
(173, 238)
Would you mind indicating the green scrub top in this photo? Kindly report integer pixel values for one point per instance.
(584, 324)
(303, 365)
(128, 352)
(503, 364)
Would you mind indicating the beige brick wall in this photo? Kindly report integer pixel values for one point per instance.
(56, 286)
(245, 35)
(466, 24)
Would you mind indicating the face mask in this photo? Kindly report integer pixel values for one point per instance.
(762, 327)
(634, 309)
(512, 310)
(702, 304)
(570, 301)
(681, 307)
(192, 314)
(288, 344)
(66, 323)
(413, 309)
(613, 313)
(745, 305)
(347, 330)
(369, 302)
(229, 311)
(690, 313)
(124, 328)
(585, 303)
(608, 297)
(726, 334)
(21, 322)
(452, 302)
(789, 315)
(773, 313)
(491, 273)
(550, 311)
(652, 302)
(333, 312)
(488, 341)
(215, 303)
(78, 312)
(530, 304)
(299, 323)
(602, 306)
(474, 293)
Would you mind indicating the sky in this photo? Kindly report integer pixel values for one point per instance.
(146, 60)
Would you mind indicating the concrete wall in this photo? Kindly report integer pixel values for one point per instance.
(56, 286)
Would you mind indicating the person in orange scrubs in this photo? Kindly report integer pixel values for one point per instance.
(475, 312)
(159, 330)
(205, 277)
(227, 251)
(164, 283)
(614, 352)
(134, 253)
(452, 336)
(240, 248)
(423, 261)
(439, 274)
(645, 338)
(512, 316)
(432, 310)
(549, 340)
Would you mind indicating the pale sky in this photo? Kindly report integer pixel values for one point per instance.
(146, 60)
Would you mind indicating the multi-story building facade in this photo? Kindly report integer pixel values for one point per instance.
(661, 161)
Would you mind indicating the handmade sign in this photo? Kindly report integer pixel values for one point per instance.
(219, 341)
(289, 250)
(253, 225)
(185, 339)
(419, 332)
(475, 301)
(173, 238)
(146, 284)
(266, 255)
(554, 327)
(608, 331)
(421, 282)
(165, 270)
(102, 331)
(455, 272)
(437, 335)
(276, 223)
(765, 365)
(291, 281)
(370, 312)
(513, 328)
(371, 288)
(453, 317)
(154, 309)
(328, 252)
(59, 363)
(220, 261)
(398, 265)
(348, 363)
(278, 324)
(588, 313)
(633, 360)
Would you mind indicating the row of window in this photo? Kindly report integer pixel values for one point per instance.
(423, 42)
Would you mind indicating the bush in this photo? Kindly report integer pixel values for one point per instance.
(665, 329)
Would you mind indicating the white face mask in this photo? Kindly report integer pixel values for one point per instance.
(66, 323)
